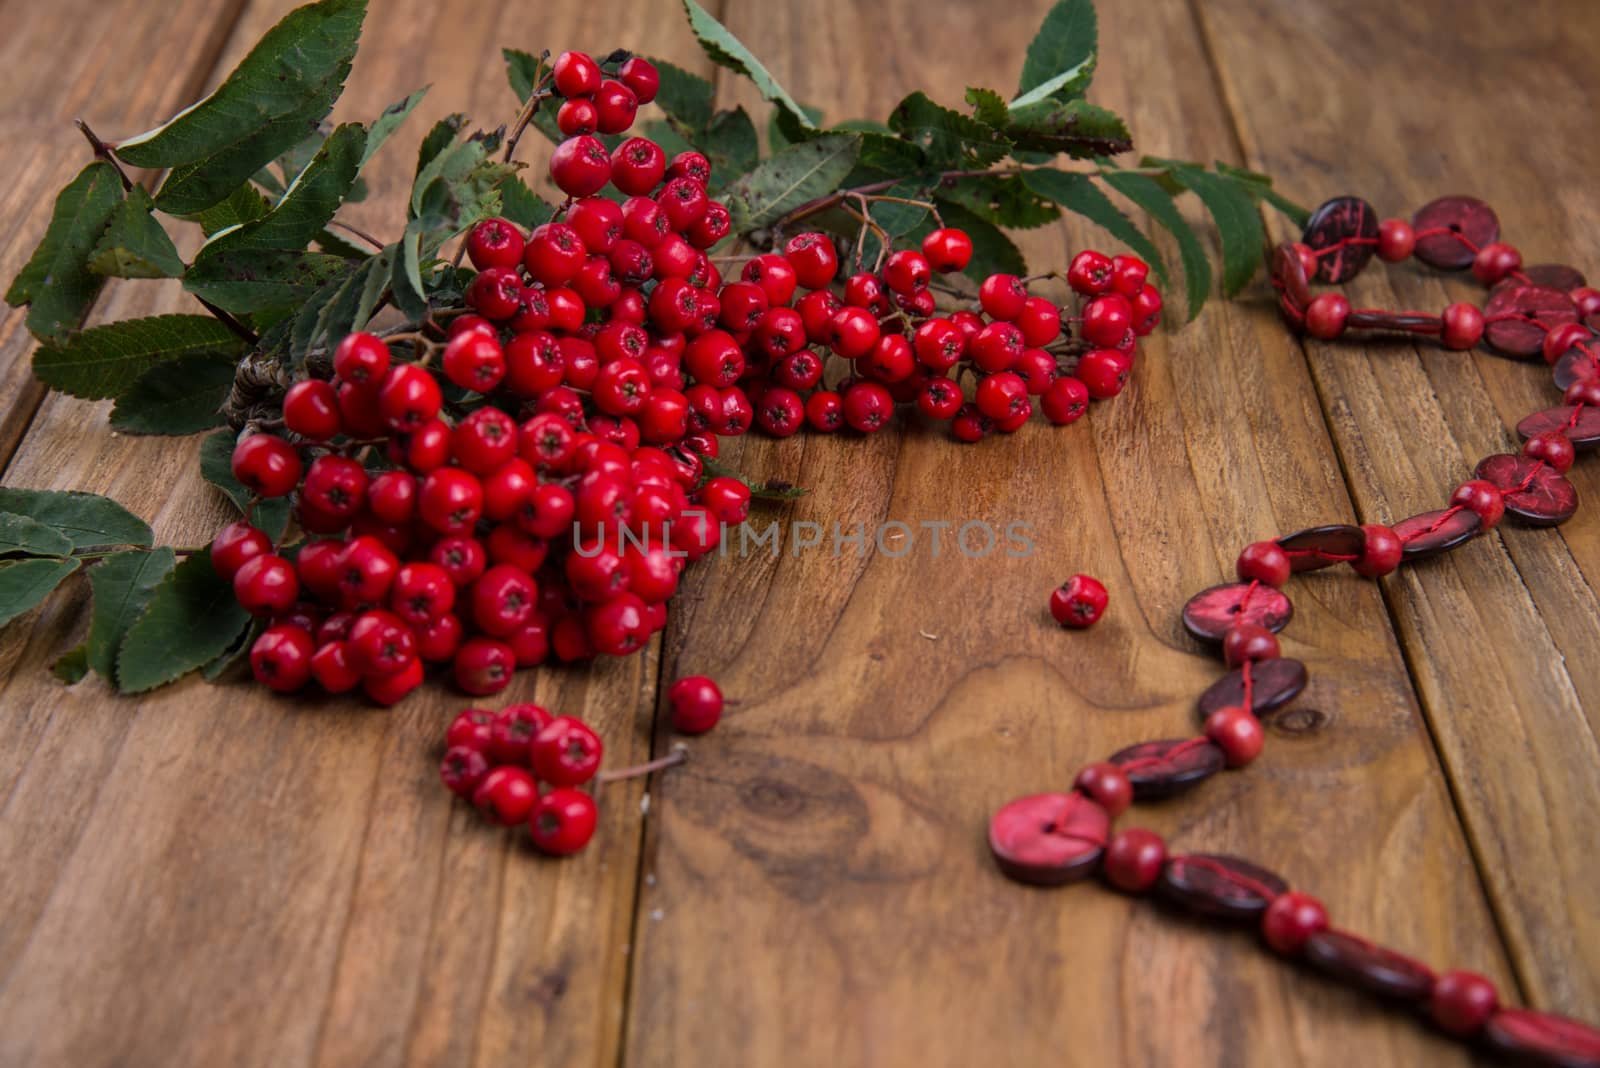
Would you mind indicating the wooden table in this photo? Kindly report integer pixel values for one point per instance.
(214, 876)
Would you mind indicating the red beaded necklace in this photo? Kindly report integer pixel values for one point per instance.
(1056, 838)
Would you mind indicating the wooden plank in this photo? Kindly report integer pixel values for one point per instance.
(210, 875)
(828, 838)
(1502, 636)
(59, 62)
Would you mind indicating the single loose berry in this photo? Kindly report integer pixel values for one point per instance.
(947, 250)
(267, 585)
(266, 464)
(361, 359)
(1078, 602)
(563, 821)
(906, 271)
(641, 76)
(566, 752)
(483, 666)
(1090, 273)
(311, 409)
(1104, 372)
(1065, 401)
(281, 658)
(494, 243)
(576, 74)
(615, 107)
(580, 166)
(1128, 275)
(577, 116)
(1291, 920)
(696, 703)
(1108, 321)
(1002, 296)
(409, 397)
(813, 258)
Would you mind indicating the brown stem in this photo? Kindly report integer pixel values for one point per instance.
(229, 321)
(529, 109)
(362, 234)
(103, 151)
(672, 759)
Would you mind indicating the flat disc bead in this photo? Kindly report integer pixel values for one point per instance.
(1291, 274)
(1215, 885)
(1049, 839)
(1525, 340)
(1405, 322)
(1467, 216)
(1366, 966)
(1573, 365)
(1432, 533)
(1543, 1038)
(1584, 433)
(1157, 772)
(1337, 220)
(1555, 275)
(1273, 684)
(1547, 499)
(1309, 549)
(1210, 613)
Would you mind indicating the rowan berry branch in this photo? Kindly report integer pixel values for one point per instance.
(103, 151)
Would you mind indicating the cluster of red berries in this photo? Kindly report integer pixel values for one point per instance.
(1078, 602)
(497, 761)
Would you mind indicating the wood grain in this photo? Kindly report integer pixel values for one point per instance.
(831, 840)
(1502, 636)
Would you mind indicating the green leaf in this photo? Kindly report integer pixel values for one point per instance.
(1061, 57)
(784, 182)
(989, 107)
(890, 154)
(1149, 195)
(726, 50)
(245, 204)
(306, 207)
(191, 618)
(134, 244)
(26, 535)
(105, 361)
(522, 68)
(24, 583)
(456, 188)
(123, 584)
(1260, 186)
(181, 397)
(271, 517)
(522, 205)
(405, 280)
(235, 652)
(334, 245)
(1076, 127)
(254, 281)
(900, 219)
(730, 144)
(1238, 224)
(663, 133)
(285, 86)
(441, 137)
(387, 123)
(57, 281)
(1079, 195)
(684, 96)
(88, 520)
(783, 130)
(992, 250)
(1003, 200)
(70, 667)
(950, 139)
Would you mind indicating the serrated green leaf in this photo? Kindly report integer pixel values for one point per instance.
(254, 281)
(293, 160)
(181, 397)
(302, 334)
(1003, 200)
(57, 282)
(334, 245)
(1260, 186)
(311, 200)
(134, 244)
(283, 87)
(26, 535)
(71, 666)
(271, 517)
(898, 219)
(440, 137)
(406, 279)
(522, 205)
(950, 139)
(783, 131)
(890, 154)
(1078, 194)
(191, 618)
(105, 361)
(685, 97)
(88, 520)
(25, 583)
(672, 142)
(729, 142)
(726, 50)
(522, 69)
(1238, 223)
(387, 123)
(989, 107)
(797, 174)
(235, 652)
(1076, 127)
(1146, 193)
(1061, 56)
(992, 251)
(123, 584)
(245, 204)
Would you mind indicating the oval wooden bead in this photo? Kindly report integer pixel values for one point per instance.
(1372, 968)
(1421, 542)
(1210, 613)
(1547, 499)
(1273, 684)
(1212, 884)
(1555, 275)
(1584, 432)
(1291, 274)
(1543, 1038)
(1515, 337)
(1467, 216)
(1156, 772)
(1310, 549)
(1049, 839)
(1334, 221)
(1573, 365)
(1406, 322)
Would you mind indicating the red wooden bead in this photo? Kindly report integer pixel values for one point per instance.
(1543, 1038)
(1587, 300)
(1467, 224)
(1431, 533)
(1380, 553)
(1562, 338)
(1133, 860)
(1534, 492)
(1326, 315)
(1170, 766)
(1210, 613)
(1483, 498)
(1319, 547)
(1291, 920)
(1336, 221)
(1463, 326)
(1585, 391)
(1237, 733)
(1308, 261)
(1462, 1002)
(1372, 968)
(1554, 449)
(1576, 365)
(1396, 240)
(1555, 275)
(1263, 561)
(1048, 839)
(1521, 315)
(1213, 884)
(1292, 264)
(1581, 427)
(1273, 684)
(1247, 642)
(1108, 785)
(1494, 261)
